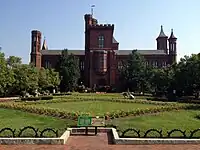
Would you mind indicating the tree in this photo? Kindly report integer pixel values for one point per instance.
(26, 78)
(13, 60)
(6, 76)
(133, 72)
(68, 68)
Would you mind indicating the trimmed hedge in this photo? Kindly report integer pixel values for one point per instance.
(79, 99)
(61, 94)
(37, 98)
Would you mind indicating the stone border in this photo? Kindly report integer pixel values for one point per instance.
(115, 137)
(60, 140)
(134, 141)
(149, 141)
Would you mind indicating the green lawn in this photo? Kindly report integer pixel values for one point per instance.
(95, 107)
(183, 119)
(16, 119)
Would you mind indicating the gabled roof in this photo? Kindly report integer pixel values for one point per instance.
(44, 46)
(119, 52)
(59, 52)
(142, 52)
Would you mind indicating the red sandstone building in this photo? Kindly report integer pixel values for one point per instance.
(101, 59)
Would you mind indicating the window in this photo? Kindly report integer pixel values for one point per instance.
(47, 64)
(82, 65)
(101, 41)
(100, 60)
(120, 65)
(147, 63)
(35, 39)
(164, 64)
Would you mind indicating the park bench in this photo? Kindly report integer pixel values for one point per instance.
(89, 122)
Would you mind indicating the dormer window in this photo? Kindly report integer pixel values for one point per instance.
(101, 41)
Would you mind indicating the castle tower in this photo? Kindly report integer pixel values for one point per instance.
(35, 48)
(162, 41)
(172, 48)
(99, 54)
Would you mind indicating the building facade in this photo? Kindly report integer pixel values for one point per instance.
(101, 60)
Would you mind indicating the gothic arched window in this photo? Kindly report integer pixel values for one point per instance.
(101, 41)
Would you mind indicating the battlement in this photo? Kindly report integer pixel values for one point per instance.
(34, 32)
(103, 26)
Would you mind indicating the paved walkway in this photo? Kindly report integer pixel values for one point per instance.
(100, 142)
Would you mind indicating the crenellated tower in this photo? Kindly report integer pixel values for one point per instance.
(172, 48)
(162, 41)
(99, 52)
(35, 48)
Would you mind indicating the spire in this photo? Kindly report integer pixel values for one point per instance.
(172, 35)
(162, 34)
(44, 46)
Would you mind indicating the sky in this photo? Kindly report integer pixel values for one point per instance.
(137, 23)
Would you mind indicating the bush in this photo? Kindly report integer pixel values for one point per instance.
(37, 98)
(61, 94)
(157, 99)
(46, 97)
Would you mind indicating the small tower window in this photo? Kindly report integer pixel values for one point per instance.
(101, 41)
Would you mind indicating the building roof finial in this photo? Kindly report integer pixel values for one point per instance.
(162, 34)
(172, 35)
(92, 9)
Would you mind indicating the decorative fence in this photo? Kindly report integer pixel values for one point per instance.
(175, 133)
(32, 132)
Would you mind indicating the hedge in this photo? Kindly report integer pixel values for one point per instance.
(37, 98)
(79, 99)
(61, 94)
(74, 115)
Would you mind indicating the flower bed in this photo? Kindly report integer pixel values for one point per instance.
(80, 99)
(74, 115)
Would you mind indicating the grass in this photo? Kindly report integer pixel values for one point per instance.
(183, 119)
(16, 119)
(95, 107)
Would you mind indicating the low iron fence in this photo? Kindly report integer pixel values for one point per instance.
(155, 133)
(30, 131)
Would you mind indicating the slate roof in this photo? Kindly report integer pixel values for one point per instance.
(119, 52)
(172, 35)
(114, 40)
(162, 34)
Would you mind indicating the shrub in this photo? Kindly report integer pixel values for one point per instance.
(30, 99)
(37, 98)
(46, 97)
(61, 94)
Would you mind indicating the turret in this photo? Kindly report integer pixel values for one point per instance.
(35, 48)
(162, 41)
(172, 48)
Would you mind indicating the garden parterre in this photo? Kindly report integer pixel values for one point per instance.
(114, 106)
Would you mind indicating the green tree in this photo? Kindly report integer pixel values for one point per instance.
(26, 78)
(68, 68)
(6, 76)
(13, 60)
(133, 72)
